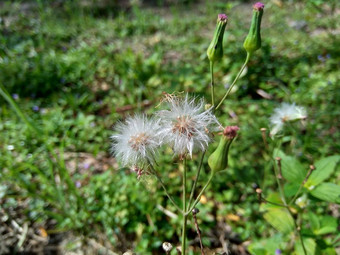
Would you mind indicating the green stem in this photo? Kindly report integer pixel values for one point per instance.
(266, 201)
(196, 180)
(234, 82)
(185, 217)
(163, 186)
(301, 185)
(200, 194)
(212, 84)
(301, 239)
(297, 228)
(296, 195)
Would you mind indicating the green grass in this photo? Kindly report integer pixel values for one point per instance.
(83, 65)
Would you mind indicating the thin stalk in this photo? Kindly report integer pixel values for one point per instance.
(267, 201)
(163, 186)
(212, 84)
(200, 194)
(302, 184)
(196, 180)
(234, 82)
(299, 231)
(198, 232)
(297, 228)
(185, 217)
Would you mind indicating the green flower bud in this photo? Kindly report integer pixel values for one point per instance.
(215, 49)
(253, 39)
(218, 160)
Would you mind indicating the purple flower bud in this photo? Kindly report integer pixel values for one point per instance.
(278, 252)
(218, 160)
(231, 131)
(258, 6)
(15, 96)
(321, 58)
(215, 49)
(222, 17)
(253, 39)
(78, 184)
(35, 108)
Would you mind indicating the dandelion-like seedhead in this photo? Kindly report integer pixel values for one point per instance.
(137, 140)
(285, 113)
(187, 126)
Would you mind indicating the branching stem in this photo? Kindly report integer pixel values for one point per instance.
(234, 82)
(200, 194)
(196, 180)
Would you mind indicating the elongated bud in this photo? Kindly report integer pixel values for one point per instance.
(215, 49)
(218, 160)
(253, 39)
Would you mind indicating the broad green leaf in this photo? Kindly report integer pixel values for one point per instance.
(290, 189)
(329, 251)
(272, 197)
(309, 244)
(280, 219)
(328, 192)
(323, 169)
(292, 170)
(328, 225)
(314, 221)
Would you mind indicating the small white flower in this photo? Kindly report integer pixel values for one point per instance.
(285, 113)
(137, 140)
(186, 126)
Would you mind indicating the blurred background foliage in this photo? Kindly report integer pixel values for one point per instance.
(76, 67)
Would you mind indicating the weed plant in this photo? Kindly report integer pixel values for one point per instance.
(71, 71)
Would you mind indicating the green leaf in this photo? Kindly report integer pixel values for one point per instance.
(290, 189)
(266, 246)
(280, 219)
(292, 170)
(273, 197)
(323, 169)
(309, 244)
(328, 225)
(256, 250)
(328, 192)
(329, 251)
(314, 221)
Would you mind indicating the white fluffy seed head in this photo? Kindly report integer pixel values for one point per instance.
(285, 113)
(137, 140)
(187, 126)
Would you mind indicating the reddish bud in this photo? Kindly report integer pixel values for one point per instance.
(222, 17)
(231, 131)
(258, 6)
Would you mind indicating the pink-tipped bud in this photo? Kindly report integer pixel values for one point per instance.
(215, 49)
(218, 160)
(258, 6)
(222, 17)
(253, 40)
(231, 131)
